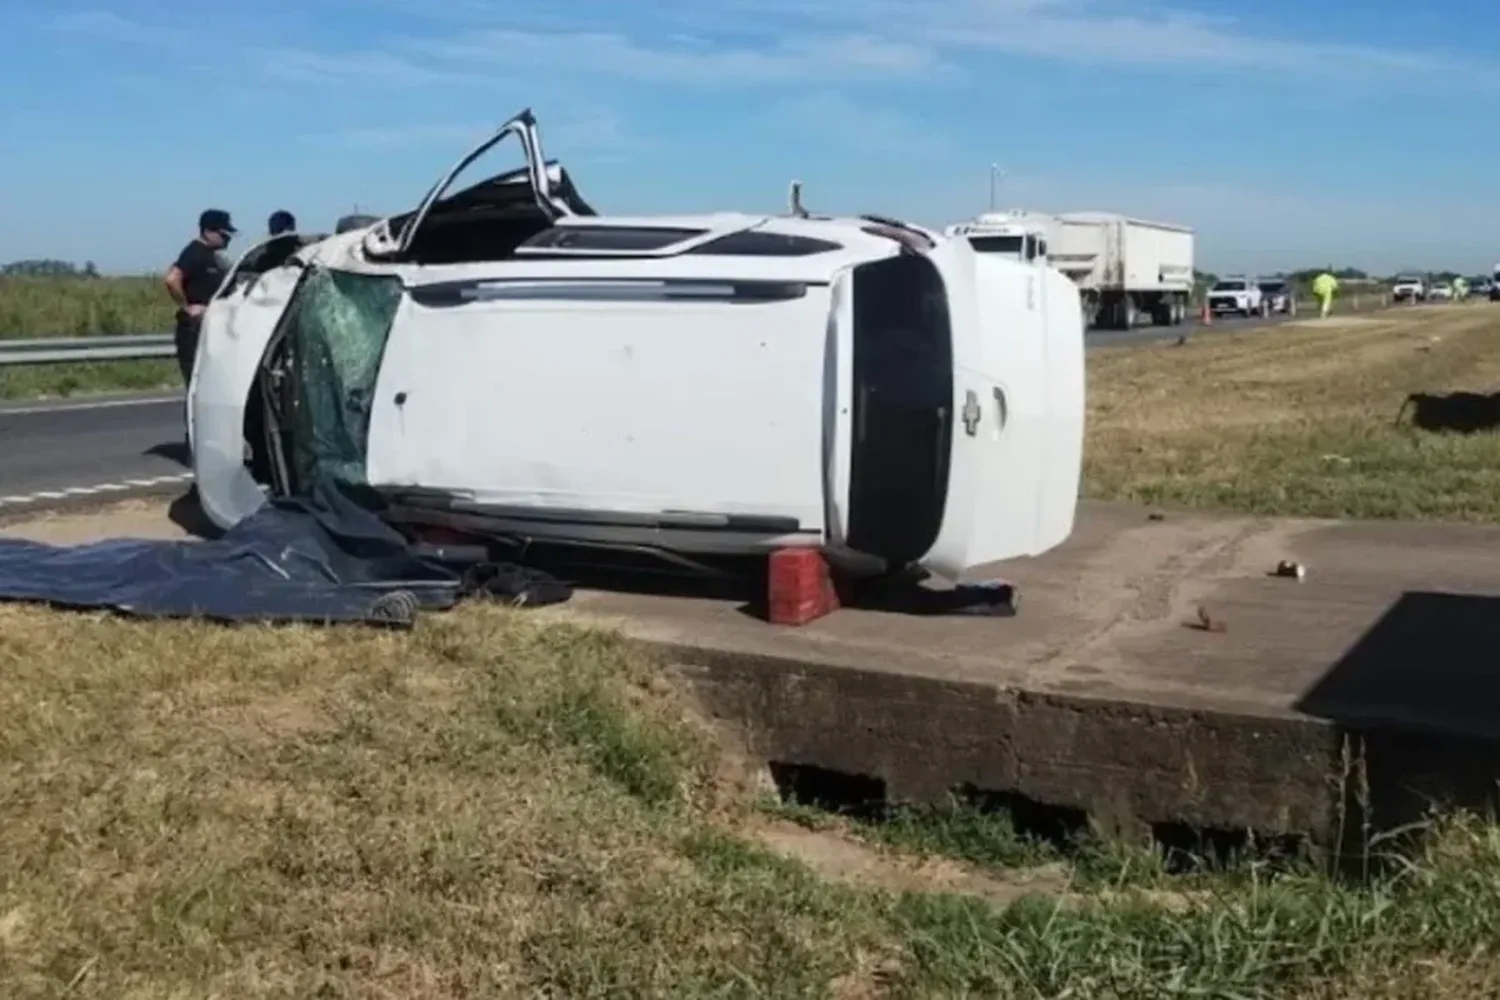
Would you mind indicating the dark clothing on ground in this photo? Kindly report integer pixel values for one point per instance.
(202, 271)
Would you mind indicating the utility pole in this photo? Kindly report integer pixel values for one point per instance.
(994, 176)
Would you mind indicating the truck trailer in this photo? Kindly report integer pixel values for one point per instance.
(1129, 271)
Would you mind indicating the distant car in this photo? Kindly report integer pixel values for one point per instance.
(1408, 288)
(1278, 297)
(1441, 291)
(1235, 295)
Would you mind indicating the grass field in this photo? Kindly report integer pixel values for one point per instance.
(1304, 419)
(80, 307)
(487, 807)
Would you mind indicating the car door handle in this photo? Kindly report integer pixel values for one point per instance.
(1002, 412)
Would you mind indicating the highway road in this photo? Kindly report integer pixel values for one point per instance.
(77, 449)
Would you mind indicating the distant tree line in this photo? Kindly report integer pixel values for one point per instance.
(45, 268)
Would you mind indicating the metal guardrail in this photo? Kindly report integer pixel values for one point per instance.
(56, 350)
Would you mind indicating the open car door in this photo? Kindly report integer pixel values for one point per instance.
(393, 237)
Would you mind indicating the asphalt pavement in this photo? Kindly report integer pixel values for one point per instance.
(115, 444)
(126, 444)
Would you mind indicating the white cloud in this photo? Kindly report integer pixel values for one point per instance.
(836, 42)
(826, 43)
(110, 27)
(338, 68)
(590, 136)
(689, 59)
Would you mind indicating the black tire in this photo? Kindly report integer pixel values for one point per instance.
(397, 609)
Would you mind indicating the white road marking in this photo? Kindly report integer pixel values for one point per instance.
(41, 496)
(98, 404)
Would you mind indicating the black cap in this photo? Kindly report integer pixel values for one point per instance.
(282, 221)
(215, 220)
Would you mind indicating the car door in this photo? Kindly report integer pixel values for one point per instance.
(1005, 415)
(382, 242)
(237, 329)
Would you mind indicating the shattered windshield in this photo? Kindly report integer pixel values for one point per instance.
(338, 324)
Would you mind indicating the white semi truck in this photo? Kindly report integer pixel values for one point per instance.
(1129, 271)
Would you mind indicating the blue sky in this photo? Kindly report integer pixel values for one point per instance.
(1289, 134)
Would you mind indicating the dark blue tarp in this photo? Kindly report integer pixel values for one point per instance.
(326, 559)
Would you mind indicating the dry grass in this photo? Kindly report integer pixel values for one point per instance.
(487, 807)
(482, 809)
(1301, 419)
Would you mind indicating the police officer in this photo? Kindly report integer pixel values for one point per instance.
(192, 280)
(282, 241)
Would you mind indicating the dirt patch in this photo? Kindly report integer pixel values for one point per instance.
(274, 720)
(1334, 323)
(129, 519)
(836, 856)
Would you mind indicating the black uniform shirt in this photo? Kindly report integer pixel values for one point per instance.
(202, 270)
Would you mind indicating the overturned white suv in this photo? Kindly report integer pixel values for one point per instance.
(505, 363)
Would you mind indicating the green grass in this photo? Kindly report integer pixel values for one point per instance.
(78, 307)
(87, 378)
(488, 806)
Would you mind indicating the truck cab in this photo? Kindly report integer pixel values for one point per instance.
(1021, 239)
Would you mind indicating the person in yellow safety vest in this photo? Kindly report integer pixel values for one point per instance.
(1323, 286)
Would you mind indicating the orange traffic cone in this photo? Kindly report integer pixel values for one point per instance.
(1206, 317)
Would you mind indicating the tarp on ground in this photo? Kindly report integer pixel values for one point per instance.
(326, 559)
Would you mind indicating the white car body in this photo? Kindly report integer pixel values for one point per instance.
(1409, 289)
(1235, 294)
(1440, 290)
(743, 383)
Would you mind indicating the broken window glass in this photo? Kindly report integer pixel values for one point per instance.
(337, 328)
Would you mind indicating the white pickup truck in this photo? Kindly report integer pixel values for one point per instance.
(1236, 295)
(1409, 288)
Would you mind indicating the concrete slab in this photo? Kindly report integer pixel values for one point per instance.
(1363, 692)
(1102, 696)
